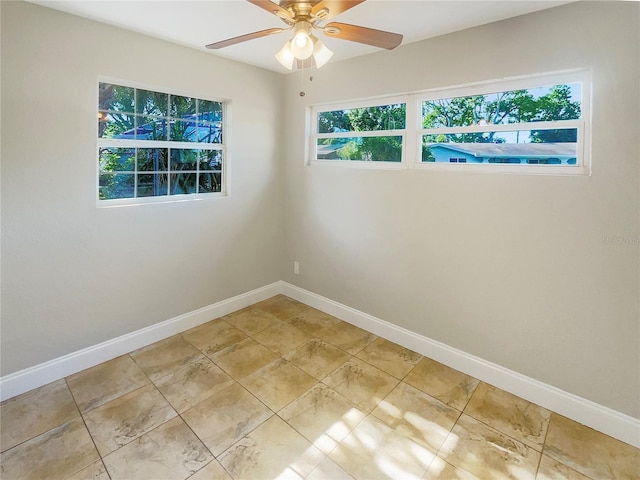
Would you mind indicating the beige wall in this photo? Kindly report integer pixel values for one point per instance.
(511, 268)
(74, 275)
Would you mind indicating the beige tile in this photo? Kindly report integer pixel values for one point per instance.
(243, 358)
(441, 470)
(314, 322)
(212, 471)
(418, 416)
(281, 338)
(487, 453)
(126, 418)
(551, 469)
(347, 337)
(282, 307)
(225, 417)
(251, 320)
(193, 383)
(260, 456)
(446, 384)
(376, 451)
(589, 452)
(278, 383)
(317, 358)
(161, 358)
(329, 470)
(389, 357)
(363, 384)
(95, 471)
(170, 452)
(213, 336)
(37, 411)
(100, 384)
(56, 454)
(323, 416)
(518, 418)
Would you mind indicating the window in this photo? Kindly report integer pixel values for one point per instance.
(537, 123)
(155, 145)
(366, 133)
(534, 124)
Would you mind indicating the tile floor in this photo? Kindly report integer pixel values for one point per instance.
(280, 390)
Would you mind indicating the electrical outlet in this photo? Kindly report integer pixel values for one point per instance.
(296, 268)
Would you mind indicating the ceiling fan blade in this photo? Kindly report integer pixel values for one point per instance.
(244, 38)
(328, 9)
(368, 36)
(274, 8)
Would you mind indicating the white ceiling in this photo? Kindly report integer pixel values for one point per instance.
(195, 23)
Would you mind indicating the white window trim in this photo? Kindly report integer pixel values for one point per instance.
(126, 143)
(412, 135)
(312, 115)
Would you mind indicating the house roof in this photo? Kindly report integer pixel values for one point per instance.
(511, 149)
(327, 149)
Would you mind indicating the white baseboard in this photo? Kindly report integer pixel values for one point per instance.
(605, 420)
(586, 412)
(33, 377)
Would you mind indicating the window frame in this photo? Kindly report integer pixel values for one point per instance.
(583, 160)
(412, 134)
(164, 144)
(314, 136)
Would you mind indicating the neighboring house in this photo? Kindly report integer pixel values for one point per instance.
(328, 152)
(530, 153)
(331, 151)
(203, 128)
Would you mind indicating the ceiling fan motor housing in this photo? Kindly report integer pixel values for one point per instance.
(302, 10)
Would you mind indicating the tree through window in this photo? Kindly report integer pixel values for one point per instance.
(156, 144)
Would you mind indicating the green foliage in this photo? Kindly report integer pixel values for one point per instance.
(349, 151)
(135, 114)
(385, 117)
(557, 105)
(382, 149)
(181, 106)
(514, 106)
(117, 159)
(119, 101)
(507, 107)
(427, 154)
(337, 121)
(151, 103)
(372, 119)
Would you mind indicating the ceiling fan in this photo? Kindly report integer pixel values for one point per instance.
(302, 16)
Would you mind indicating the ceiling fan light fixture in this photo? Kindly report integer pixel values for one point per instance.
(321, 54)
(302, 44)
(304, 50)
(286, 57)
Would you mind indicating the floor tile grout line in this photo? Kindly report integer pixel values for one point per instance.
(237, 380)
(2, 452)
(352, 356)
(368, 414)
(84, 422)
(464, 411)
(544, 444)
(119, 397)
(281, 356)
(312, 441)
(93, 441)
(214, 458)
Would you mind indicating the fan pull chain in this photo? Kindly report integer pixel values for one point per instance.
(302, 92)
